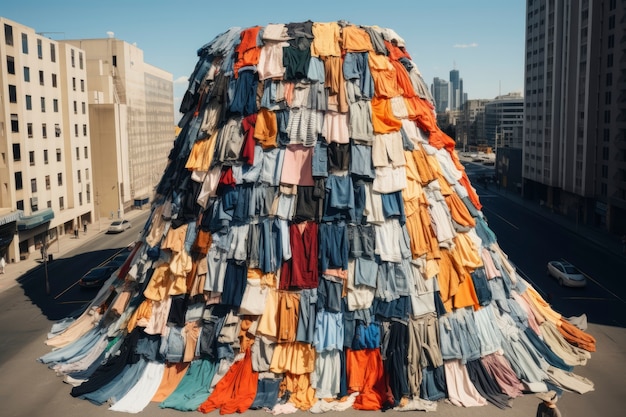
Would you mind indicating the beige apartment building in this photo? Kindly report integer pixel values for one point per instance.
(132, 123)
(45, 152)
(85, 130)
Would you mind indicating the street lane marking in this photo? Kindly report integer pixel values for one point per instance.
(503, 219)
(597, 283)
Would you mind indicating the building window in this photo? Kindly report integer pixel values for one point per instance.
(75, 130)
(54, 80)
(39, 49)
(78, 176)
(24, 43)
(609, 79)
(44, 131)
(80, 199)
(53, 53)
(82, 86)
(43, 104)
(8, 34)
(15, 125)
(75, 107)
(17, 152)
(10, 64)
(115, 60)
(41, 80)
(611, 41)
(49, 204)
(19, 205)
(18, 180)
(26, 74)
(45, 156)
(33, 185)
(86, 152)
(61, 203)
(87, 176)
(72, 58)
(29, 129)
(58, 154)
(83, 106)
(88, 192)
(74, 83)
(29, 102)
(80, 60)
(77, 153)
(57, 130)
(84, 130)
(60, 178)
(31, 157)
(55, 105)
(12, 94)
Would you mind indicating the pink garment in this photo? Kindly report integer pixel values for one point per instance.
(490, 268)
(500, 369)
(336, 127)
(298, 166)
(461, 390)
(533, 321)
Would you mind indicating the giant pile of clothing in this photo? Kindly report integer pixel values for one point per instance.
(314, 244)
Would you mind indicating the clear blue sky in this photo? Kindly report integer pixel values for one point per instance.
(483, 39)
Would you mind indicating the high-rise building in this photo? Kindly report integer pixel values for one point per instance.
(132, 121)
(470, 126)
(440, 92)
(504, 121)
(574, 155)
(46, 156)
(455, 89)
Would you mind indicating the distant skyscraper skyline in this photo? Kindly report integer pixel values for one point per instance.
(440, 91)
(455, 91)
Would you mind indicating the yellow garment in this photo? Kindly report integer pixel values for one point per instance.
(325, 39)
(164, 284)
(467, 251)
(268, 323)
(302, 393)
(175, 238)
(294, 357)
(355, 39)
(201, 154)
(140, 315)
(266, 128)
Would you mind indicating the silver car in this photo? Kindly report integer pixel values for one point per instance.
(118, 226)
(566, 274)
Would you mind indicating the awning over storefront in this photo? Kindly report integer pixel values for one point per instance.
(10, 217)
(36, 219)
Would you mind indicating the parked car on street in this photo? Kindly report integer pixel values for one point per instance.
(118, 226)
(95, 277)
(566, 274)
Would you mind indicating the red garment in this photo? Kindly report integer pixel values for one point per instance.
(247, 149)
(226, 177)
(301, 270)
(235, 392)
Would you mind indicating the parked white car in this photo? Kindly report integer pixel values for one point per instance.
(566, 274)
(118, 226)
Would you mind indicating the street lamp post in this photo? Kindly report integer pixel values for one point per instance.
(44, 253)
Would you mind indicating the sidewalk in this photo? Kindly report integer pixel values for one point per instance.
(66, 243)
